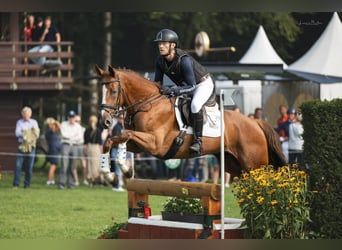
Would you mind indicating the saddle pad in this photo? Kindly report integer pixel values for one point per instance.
(212, 128)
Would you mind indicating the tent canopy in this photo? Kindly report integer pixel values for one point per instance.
(261, 51)
(322, 62)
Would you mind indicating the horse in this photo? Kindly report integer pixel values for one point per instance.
(151, 126)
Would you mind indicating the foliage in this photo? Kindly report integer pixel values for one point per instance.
(322, 152)
(183, 205)
(111, 231)
(274, 203)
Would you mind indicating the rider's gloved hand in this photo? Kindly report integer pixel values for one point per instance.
(167, 91)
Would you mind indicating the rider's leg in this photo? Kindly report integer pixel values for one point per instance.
(201, 95)
(196, 147)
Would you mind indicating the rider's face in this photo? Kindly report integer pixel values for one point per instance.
(164, 47)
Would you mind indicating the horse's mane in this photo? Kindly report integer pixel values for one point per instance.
(133, 73)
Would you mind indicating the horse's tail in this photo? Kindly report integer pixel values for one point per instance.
(275, 153)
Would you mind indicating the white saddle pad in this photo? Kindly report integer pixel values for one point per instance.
(212, 128)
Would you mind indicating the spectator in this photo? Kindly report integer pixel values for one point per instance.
(48, 33)
(26, 34)
(37, 30)
(27, 131)
(146, 161)
(215, 171)
(52, 136)
(72, 137)
(295, 139)
(199, 168)
(258, 113)
(295, 143)
(80, 157)
(93, 148)
(282, 136)
(117, 130)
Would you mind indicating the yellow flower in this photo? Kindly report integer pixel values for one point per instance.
(249, 196)
(274, 202)
(271, 191)
(260, 199)
(240, 201)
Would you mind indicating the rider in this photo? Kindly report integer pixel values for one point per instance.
(190, 77)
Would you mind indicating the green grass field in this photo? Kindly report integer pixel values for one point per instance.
(44, 212)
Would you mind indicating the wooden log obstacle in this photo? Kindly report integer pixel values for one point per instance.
(140, 189)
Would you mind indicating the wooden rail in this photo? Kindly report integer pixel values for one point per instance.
(18, 72)
(140, 189)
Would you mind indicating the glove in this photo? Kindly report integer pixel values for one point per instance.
(167, 91)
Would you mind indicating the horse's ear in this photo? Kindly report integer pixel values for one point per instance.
(111, 71)
(99, 70)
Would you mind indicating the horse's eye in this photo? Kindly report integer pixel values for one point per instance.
(113, 92)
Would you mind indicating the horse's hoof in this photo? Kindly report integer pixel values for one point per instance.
(129, 173)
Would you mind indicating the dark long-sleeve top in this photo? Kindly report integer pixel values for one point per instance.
(92, 136)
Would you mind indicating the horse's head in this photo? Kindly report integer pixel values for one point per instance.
(111, 95)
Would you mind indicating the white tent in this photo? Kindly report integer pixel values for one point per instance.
(261, 51)
(323, 61)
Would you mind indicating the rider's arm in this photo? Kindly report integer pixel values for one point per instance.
(159, 74)
(189, 76)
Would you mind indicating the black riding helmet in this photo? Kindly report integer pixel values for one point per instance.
(167, 35)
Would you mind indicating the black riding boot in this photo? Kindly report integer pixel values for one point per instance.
(196, 147)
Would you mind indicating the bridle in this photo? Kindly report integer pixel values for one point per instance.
(107, 107)
(115, 111)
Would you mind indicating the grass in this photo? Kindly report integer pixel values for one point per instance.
(44, 212)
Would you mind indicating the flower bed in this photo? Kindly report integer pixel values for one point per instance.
(274, 203)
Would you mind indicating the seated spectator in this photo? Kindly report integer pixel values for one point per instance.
(46, 33)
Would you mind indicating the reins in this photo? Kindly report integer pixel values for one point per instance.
(121, 110)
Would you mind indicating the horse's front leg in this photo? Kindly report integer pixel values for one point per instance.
(114, 141)
(120, 143)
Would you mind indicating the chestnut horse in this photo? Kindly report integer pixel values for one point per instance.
(151, 125)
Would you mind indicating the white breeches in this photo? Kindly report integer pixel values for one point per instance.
(201, 95)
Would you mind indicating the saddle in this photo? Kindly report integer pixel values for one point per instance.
(184, 103)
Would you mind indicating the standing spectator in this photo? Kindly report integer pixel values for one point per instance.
(80, 157)
(295, 139)
(145, 161)
(52, 136)
(72, 136)
(282, 136)
(215, 171)
(199, 168)
(117, 130)
(93, 148)
(26, 34)
(27, 131)
(294, 144)
(258, 113)
(48, 33)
